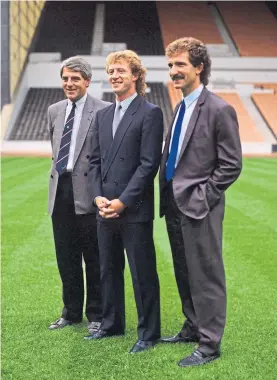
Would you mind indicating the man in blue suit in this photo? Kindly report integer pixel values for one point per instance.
(126, 152)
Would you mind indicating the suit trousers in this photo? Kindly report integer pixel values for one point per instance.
(137, 239)
(196, 246)
(75, 239)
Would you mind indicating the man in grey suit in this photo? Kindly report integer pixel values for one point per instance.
(70, 125)
(125, 158)
(201, 159)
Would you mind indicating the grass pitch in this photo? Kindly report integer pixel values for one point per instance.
(31, 290)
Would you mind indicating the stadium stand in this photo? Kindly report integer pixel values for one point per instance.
(31, 123)
(252, 27)
(187, 19)
(266, 86)
(267, 105)
(136, 23)
(66, 27)
(93, 29)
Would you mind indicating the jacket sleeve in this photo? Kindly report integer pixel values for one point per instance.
(94, 170)
(229, 155)
(150, 155)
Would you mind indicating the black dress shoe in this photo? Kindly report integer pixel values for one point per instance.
(179, 339)
(142, 345)
(100, 334)
(60, 324)
(197, 358)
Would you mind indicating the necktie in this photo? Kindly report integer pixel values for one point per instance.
(171, 161)
(65, 142)
(116, 118)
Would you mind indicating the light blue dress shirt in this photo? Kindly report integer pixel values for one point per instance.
(125, 104)
(190, 102)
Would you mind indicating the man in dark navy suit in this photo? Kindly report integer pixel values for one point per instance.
(125, 157)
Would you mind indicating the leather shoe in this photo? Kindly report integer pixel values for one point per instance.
(100, 334)
(93, 327)
(59, 324)
(197, 358)
(142, 345)
(179, 339)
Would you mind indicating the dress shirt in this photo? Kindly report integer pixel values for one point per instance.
(76, 125)
(190, 102)
(125, 104)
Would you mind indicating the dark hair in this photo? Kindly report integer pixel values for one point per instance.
(197, 54)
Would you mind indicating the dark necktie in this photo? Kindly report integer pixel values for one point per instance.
(171, 161)
(116, 118)
(65, 142)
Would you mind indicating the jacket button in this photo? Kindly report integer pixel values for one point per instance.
(104, 181)
(115, 183)
(51, 176)
(102, 159)
(121, 158)
(85, 174)
(87, 156)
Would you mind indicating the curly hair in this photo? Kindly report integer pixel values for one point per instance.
(136, 66)
(197, 54)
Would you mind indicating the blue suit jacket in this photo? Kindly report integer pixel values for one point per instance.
(125, 167)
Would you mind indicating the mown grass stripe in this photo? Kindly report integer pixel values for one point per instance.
(31, 297)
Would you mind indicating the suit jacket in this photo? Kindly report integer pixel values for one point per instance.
(210, 159)
(125, 167)
(56, 120)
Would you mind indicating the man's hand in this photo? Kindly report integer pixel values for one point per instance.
(101, 202)
(112, 209)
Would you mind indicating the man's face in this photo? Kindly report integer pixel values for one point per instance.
(122, 81)
(74, 85)
(184, 75)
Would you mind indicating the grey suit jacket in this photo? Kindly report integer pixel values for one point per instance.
(56, 117)
(210, 158)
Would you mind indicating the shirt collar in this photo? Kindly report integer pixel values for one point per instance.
(190, 98)
(126, 102)
(79, 102)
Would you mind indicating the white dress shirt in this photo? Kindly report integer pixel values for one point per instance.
(190, 102)
(76, 125)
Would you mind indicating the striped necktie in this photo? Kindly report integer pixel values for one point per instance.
(171, 161)
(65, 142)
(116, 118)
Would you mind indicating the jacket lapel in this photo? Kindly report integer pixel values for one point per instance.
(193, 121)
(87, 116)
(122, 128)
(58, 127)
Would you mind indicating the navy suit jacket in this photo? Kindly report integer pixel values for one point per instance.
(125, 167)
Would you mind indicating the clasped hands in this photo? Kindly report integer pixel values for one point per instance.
(109, 209)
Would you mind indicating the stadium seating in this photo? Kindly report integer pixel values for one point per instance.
(252, 27)
(178, 19)
(267, 105)
(31, 123)
(66, 27)
(136, 23)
